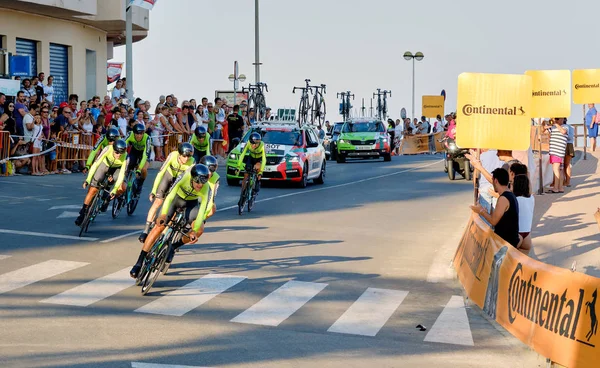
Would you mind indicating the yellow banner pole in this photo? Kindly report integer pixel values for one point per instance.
(540, 131)
(475, 179)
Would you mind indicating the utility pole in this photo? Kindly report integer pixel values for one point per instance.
(129, 51)
(256, 44)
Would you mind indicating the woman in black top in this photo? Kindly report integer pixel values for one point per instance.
(505, 217)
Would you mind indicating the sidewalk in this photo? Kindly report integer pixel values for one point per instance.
(564, 227)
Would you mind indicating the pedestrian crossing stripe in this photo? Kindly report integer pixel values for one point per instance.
(365, 317)
(38, 272)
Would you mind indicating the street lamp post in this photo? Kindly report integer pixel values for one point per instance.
(235, 78)
(408, 56)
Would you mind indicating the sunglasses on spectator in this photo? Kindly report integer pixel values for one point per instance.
(11, 106)
(45, 111)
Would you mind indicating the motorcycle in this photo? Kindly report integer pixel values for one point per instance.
(455, 160)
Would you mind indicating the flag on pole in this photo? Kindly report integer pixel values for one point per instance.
(113, 72)
(146, 4)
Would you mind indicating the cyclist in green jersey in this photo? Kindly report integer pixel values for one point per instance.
(176, 164)
(256, 159)
(139, 153)
(201, 143)
(111, 162)
(190, 193)
(213, 164)
(107, 139)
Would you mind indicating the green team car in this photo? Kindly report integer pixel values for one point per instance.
(294, 154)
(363, 138)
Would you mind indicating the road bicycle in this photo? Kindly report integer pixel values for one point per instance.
(98, 201)
(318, 105)
(248, 195)
(256, 98)
(382, 108)
(305, 106)
(128, 199)
(154, 263)
(345, 106)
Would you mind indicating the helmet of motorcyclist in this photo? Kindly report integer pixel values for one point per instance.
(185, 149)
(211, 162)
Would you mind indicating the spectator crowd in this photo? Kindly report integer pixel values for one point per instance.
(33, 123)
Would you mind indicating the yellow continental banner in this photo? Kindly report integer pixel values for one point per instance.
(413, 144)
(551, 93)
(494, 111)
(432, 106)
(551, 309)
(586, 86)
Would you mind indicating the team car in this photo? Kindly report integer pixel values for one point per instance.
(293, 154)
(363, 138)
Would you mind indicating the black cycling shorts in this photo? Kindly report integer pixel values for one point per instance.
(102, 171)
(165, 185)
(134, 157)
(250, 162)
(198, 155)
(190, 207)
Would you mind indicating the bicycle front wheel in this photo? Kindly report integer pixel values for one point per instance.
(303, 111)
(155, 268)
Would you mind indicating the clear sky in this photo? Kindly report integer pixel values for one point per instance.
(357, 45)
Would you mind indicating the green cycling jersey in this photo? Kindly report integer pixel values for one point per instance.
(200, 146)
(173, 167)
(184, 189)
(97, 148)
(107, 157)
(255, 153)
(143, 146)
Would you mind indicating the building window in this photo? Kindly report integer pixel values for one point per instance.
(28, 47)
(59, 69)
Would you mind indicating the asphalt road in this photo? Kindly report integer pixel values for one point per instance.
(333, 275)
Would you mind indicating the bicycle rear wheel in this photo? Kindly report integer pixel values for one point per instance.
(252, 196)
(318, 110)
(261, 105)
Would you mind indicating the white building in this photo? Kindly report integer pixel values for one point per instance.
(69, 39)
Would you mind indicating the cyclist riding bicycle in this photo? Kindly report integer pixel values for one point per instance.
(256, 159)
(110, 163)
(107, 139)
(191, 193)
(201, 143)
(212, 163)
(176, 164)
(139, 153)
